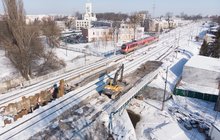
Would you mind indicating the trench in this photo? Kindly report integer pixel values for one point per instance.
(135, 118)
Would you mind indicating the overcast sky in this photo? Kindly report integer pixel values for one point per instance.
(204, 7)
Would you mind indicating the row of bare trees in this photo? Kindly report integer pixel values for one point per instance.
(22, 41)
(135, 21)
(112, 16)
(51, 31)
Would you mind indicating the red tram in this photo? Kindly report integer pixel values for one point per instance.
(131, 46)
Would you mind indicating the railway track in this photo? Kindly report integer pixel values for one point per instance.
(35, 121)
(33, 89)
(71, 99)
(36, 88)
(16, 95)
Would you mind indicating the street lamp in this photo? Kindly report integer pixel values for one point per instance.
(66, 45)
(115, 39)
(84, 50)
(165, 88)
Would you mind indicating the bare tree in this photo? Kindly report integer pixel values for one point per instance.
(115, 30)
(135, 20)
(69, 23)
(112, 16)
(51, 31)
(20, 40)
(78, 15)
(168, 18)
(50, 62)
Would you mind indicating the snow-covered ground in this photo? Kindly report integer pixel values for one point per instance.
(6, 68)
(188, 47)
(101, 47)
(73, 59)
(163, 125)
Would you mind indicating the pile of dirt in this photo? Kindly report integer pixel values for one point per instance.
(142, 71)
(146, 68)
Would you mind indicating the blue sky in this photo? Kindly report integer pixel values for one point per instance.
(204, 7)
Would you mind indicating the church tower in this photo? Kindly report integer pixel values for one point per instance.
(89, 15)
(88, 18)
(89, 8)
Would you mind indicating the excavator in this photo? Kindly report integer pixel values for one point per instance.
(114, 87)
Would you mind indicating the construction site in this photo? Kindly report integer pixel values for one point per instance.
(85, 112)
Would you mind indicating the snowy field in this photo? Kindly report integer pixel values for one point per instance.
(188, 47)
(163, 125)
(101, 47)
(6, 68)
(73, 59)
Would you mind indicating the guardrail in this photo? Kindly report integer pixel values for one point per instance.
(91, 52)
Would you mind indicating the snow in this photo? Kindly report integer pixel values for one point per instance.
(122, 127)
(205, 63)
(188, 47)
(197, 88)
(101, 47)
(6, 68)
(155, 123)
(71, 58)
(163, 125)
(203, 33)
(159, 124)
(217, 125)
(80, 110)
(170, 131)
(75, 59)
(214, 30)
(177, 68)
(2, 124)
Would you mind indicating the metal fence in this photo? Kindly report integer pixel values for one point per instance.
(91, 52)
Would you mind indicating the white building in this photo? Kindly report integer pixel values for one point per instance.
(200, 78)
(126, 33)
(157, 25)
(98, 34)
(202, 70)
(32, 18)
(87, 18)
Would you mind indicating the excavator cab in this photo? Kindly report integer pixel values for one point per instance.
(114, 86)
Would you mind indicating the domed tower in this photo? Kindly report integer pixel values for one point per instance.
(89, 15)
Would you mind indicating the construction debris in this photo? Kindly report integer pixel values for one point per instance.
(190, 120)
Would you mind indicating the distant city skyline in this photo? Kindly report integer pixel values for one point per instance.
(67, 7)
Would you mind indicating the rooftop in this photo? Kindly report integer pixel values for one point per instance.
(205, 63)
(197, 88)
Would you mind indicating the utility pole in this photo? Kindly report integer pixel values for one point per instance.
(66, 45)
(84, 51)
(115, 39)
(154, 7)
(165, 88)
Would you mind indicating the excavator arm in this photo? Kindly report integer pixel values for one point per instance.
(121, 69)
